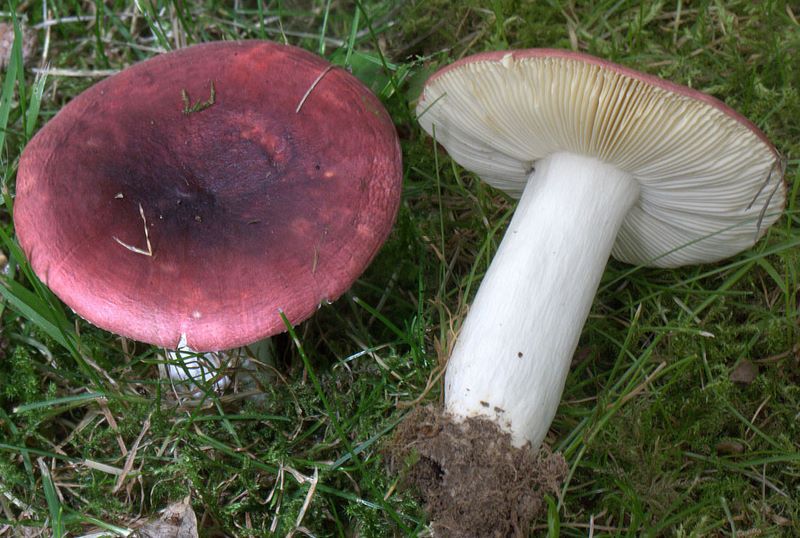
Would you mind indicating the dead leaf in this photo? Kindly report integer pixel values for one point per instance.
(729, 447)
(580, 355)
(176, 521)
(744, 372)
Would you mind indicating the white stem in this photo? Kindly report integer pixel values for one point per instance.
(188, 367)
(513, 353)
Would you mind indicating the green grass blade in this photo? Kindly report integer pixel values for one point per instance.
(332, 414)
(56, 402)
(53, 502)
(33, 308)
(32, 113)
(7, 97)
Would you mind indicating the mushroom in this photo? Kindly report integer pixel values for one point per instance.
(192, 372)
(197, 197)
(605, 160)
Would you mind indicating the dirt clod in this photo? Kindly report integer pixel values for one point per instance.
(473, 480)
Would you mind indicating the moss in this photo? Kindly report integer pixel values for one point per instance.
(23, 383)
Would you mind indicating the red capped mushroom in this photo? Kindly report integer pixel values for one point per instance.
(201, 193)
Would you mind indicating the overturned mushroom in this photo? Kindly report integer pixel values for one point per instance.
(606, 161)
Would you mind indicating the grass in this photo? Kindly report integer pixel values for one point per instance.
(660, 440)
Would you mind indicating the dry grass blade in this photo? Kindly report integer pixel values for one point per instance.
(313, 480)
(76, 73)
(131, 456)
(137, 250)
(311, 88)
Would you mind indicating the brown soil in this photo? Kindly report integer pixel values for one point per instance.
(473, 480)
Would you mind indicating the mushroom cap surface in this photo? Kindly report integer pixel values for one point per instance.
(252, 207)
(711, 183)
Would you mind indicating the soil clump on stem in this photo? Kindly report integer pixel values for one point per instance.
(473, 481)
